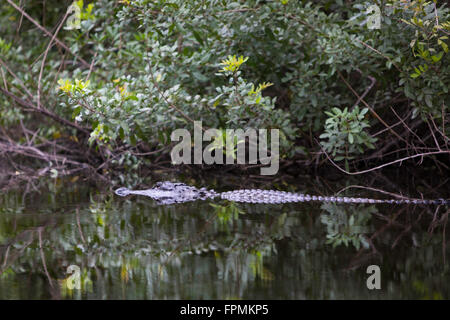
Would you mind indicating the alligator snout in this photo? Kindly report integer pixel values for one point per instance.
(122, 192)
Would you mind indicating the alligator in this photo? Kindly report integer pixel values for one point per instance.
(167, 192)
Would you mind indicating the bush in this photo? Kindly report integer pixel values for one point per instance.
(294, 65)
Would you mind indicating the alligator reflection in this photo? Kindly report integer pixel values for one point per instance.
(221, 249)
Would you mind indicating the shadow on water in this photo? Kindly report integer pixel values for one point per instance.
(69, 236)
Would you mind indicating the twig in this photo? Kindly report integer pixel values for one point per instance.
(47, 32)
(380, 53)
(443, 237)
(434, 137)
(43, 111)
(374, 189)
(45, 58)
(437, 129)
(4, 79)
(43, 257)
(369, 107)
(386, 164)
(436, 15)
(16, 77)
(91, 67)
(407, 128)
(77, 211)
(239, 10)
(372, 82)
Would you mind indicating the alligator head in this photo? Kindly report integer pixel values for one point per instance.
(167, 192)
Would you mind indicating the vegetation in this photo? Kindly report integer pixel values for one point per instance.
(102, 86)
(95, 88)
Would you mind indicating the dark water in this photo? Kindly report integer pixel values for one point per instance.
(131, 248)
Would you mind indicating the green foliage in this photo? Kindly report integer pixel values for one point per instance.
(4, 47)
(347, 225)
(344, 135)
(426, 26)
(160, 65)
(232, 65)
(220, 143)
(227, 213)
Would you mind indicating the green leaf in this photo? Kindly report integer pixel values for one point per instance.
(337, 111)
(438, 57)
(121, 133)
(197, 37)
(364, 111)
(428, 101)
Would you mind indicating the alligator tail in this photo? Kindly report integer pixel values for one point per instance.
(368, 200)
(419, 201)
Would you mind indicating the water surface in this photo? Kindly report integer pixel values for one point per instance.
(132, 248)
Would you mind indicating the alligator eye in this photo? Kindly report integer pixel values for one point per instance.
(165, 185)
